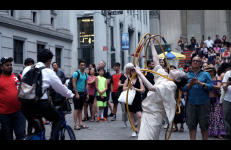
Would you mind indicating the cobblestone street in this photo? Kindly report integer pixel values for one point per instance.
(113, 130)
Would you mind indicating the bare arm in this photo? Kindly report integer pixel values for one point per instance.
(119, 84)
(93, 81)
(87, 87)
(74, 80)
(96, 85)
(144, 79)
(105, 88)
(125, 86)
(154, 53)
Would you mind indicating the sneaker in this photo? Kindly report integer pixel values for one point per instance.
(47, 123)
(111, 115)
(134, 134)
(113, 119)
(103, 119)
(136, 125)
(125, 125)
(97, 120)
(165, 126)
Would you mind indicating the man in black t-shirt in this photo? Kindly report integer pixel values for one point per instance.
(149, 76)
(106, 75)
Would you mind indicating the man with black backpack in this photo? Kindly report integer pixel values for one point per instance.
(44, 77)
(11, 117)
(79, 82)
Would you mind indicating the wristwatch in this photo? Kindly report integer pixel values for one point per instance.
(203, 85)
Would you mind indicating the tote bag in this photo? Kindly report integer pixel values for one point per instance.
(131, 96)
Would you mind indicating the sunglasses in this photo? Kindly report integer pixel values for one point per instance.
(196, 61)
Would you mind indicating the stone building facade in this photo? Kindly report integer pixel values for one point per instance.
(70, 35)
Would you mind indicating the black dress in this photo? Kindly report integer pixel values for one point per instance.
(136, 105)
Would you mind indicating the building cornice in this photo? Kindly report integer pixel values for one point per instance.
(33, 28)
(154, 14)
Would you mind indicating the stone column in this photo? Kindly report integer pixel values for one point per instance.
(25, 15)
(154, 16)
(4, 12)
(215, 23)
(63, 21)
(170, 23)
(45, 18)
(125, 30)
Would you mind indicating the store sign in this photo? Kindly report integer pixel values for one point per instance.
(125, 41)
(104, 48)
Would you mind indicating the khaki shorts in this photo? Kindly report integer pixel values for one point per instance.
(198, 114)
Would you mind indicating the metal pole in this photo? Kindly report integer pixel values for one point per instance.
(108, 42)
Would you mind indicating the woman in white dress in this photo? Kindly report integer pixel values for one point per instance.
(160, 98)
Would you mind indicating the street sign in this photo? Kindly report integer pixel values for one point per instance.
(104, 48)
(115, 12)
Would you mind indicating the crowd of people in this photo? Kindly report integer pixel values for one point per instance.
(208, 74)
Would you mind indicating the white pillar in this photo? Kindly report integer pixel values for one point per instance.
(4, 12)
(117, 39)
(63, 21)
(170, 23)
(45, 20)
(125, 30)
(215, 23)
(154, 16)
(25, 15)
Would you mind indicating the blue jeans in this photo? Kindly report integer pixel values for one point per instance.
(210, 59)
(13, 122)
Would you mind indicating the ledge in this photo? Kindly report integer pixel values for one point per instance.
(33, 28)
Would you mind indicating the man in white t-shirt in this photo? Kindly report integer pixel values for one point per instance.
(209, 42)
(227, 102)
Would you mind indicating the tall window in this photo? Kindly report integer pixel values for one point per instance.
(18, 52)
(39, 48)
(86, 39)
(58, 56)
(112, 48)
(52, 22)
(11, 13)
(34, 17)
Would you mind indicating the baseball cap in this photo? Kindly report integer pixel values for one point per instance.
(116, 64)
(209, 37)
(4, 59)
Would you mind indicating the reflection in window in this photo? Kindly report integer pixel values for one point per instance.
(86, 39)
(18, 52)
(39, 48)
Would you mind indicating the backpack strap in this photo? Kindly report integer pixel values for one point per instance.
(78, 75)
(18, 76)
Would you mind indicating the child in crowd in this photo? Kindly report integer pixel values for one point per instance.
(101, 96)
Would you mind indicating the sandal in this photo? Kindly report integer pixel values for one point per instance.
(92, 119)
(77, 127)
(83, 127)
(181, 129)
(175, 130)
(84, 119)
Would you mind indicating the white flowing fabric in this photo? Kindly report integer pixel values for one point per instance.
(155, 104)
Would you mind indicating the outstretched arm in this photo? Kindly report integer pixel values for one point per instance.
(144, 79)
(154, 53)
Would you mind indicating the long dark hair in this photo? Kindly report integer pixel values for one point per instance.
(165, 64)
(90, 70)
(222, 68)
(183, 81)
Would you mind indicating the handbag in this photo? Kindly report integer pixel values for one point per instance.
(131, 96)
(180, 118)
